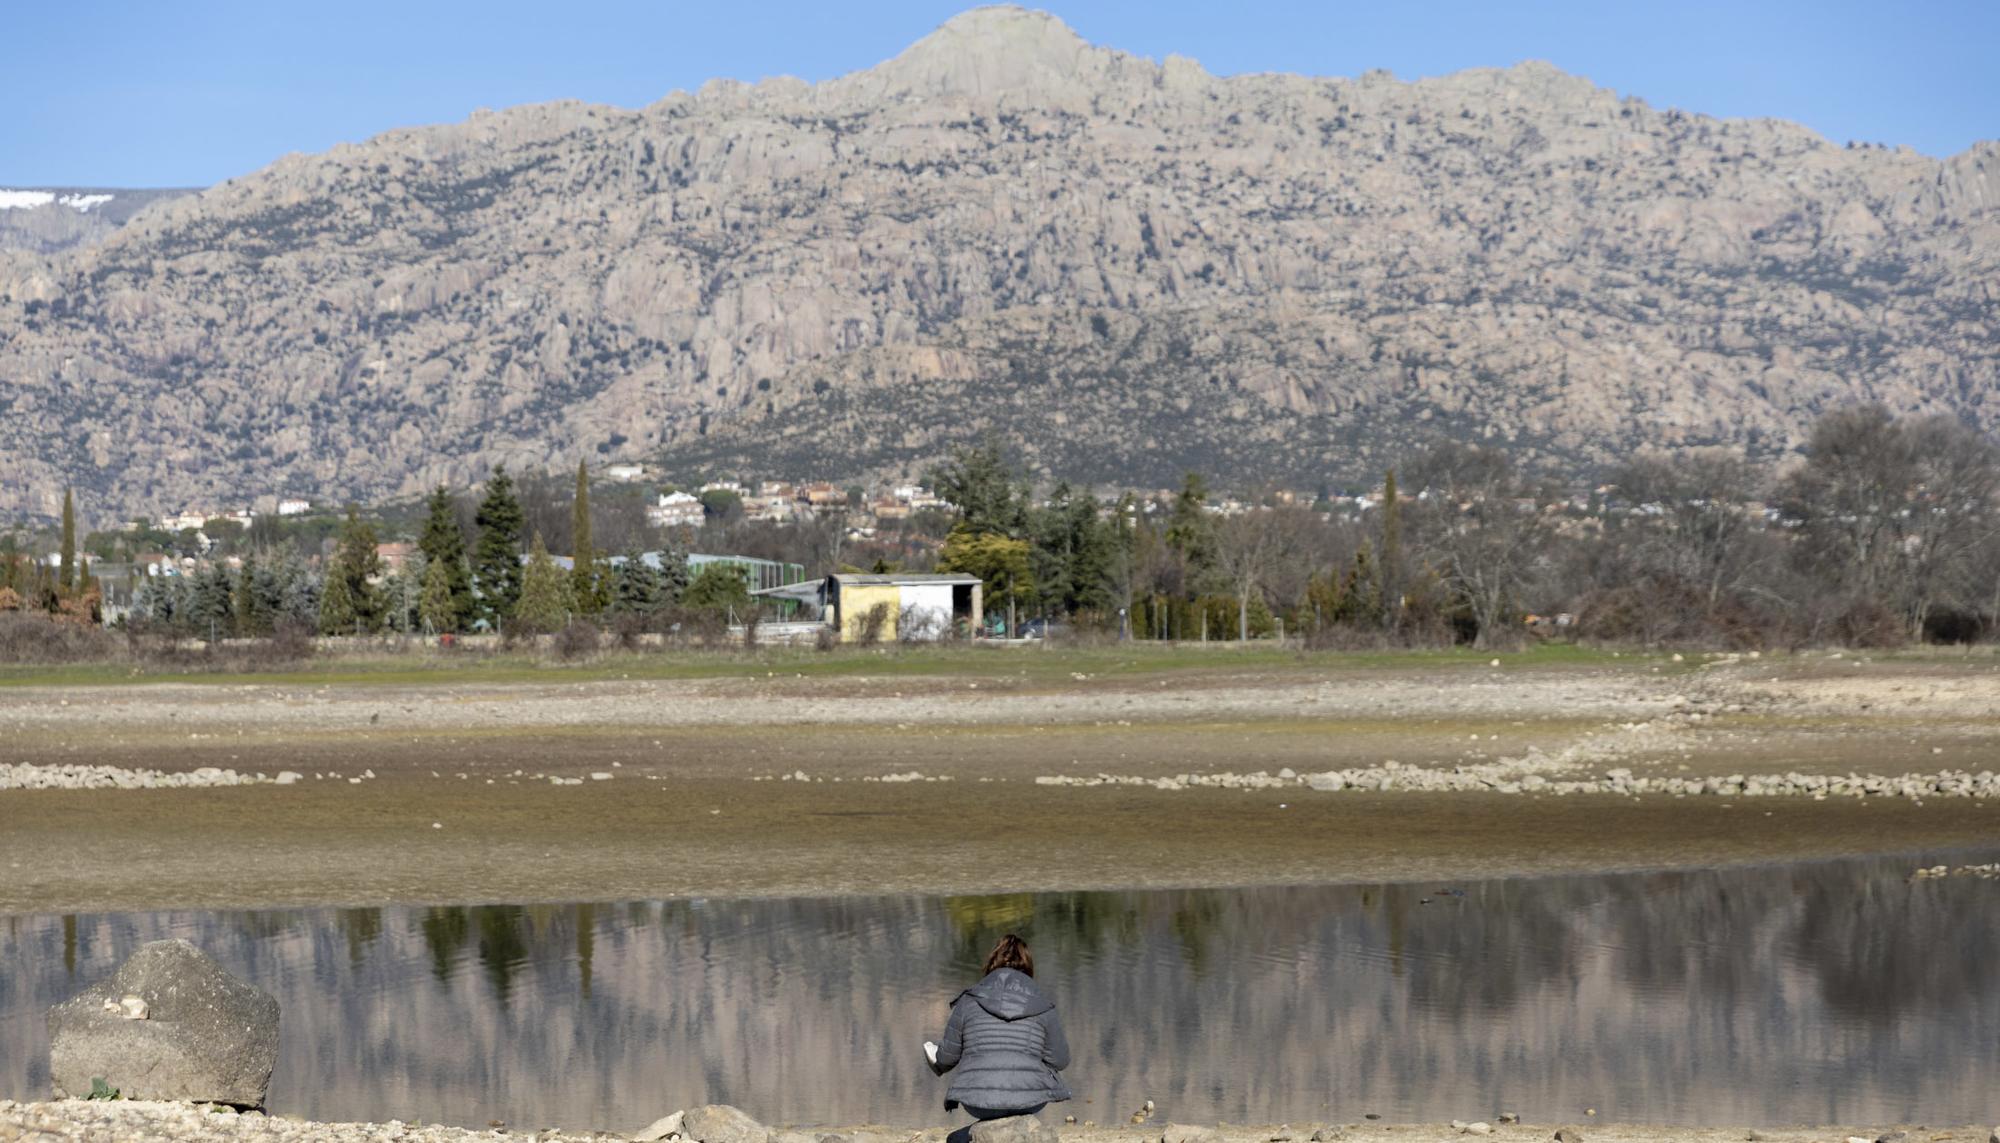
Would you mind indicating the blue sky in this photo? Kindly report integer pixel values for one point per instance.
(188, 93)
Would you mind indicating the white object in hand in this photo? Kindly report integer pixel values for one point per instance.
(930, 1051)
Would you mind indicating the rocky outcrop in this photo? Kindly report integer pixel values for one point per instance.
(1128, 267)
(195, 1032)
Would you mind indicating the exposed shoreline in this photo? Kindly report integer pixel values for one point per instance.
(146, 1122)
(993, 773)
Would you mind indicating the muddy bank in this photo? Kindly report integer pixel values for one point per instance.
(175, 1123)
(984, 781)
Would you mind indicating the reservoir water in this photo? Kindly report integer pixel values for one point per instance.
(1830, 992)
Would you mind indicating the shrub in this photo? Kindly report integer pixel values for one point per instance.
(577, 639)
(26, 637)
(874, 623)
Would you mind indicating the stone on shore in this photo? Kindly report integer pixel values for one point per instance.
(665, 1127)
(1012, 1129)
(208, 1037)
(721, 1123)
(1182, 1133)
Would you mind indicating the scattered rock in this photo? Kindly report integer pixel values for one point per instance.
(1180, 1133)
(208, 1036)
(721, 1123)
(1477, 1127)
(1568, 1135)
(1509, 1117)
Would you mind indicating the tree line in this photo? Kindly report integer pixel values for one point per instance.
(1884, 530)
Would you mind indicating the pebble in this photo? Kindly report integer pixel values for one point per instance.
(1533, 776)
(28, 776)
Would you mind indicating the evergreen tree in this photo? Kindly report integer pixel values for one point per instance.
(1390, 568)
(983, 487)
(496, 561)
(436, 606)
(290, 591)
(250, 619)
(1191, 534)
(583, 574)
(545, 603)
(674, 577)
(443, 546)
(635, 587)
(337, 614)
(212, 604)
(357, 562)
(67, 582)
(717, 587)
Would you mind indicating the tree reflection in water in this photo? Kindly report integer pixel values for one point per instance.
(1825, 992)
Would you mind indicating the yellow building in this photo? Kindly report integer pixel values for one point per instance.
(893, 608)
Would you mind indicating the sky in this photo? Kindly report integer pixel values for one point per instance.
(145, 93)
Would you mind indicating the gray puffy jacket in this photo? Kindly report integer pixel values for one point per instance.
(1006, 1044)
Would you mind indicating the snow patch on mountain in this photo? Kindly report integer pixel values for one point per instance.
(29, 199)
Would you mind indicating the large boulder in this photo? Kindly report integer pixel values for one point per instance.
(195, 1032)
(721, 1123)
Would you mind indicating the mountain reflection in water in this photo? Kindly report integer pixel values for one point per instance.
(1832, 992)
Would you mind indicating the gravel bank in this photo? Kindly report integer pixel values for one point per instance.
(179, 1122)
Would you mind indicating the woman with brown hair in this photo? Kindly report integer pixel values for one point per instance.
(1004, 1041)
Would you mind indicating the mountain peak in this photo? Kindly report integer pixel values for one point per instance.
(992, 51)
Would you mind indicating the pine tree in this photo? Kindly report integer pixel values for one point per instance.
(674, 576)
(583, 583)
(443, 546)
(497, 556)
(67, 581)
(545, 603)
(635, 586)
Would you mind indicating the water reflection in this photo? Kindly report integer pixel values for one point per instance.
(1821, 993)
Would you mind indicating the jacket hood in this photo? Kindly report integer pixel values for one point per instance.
(1010, 994)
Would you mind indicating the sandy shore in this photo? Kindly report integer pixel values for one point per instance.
(977, 775)
(173, 1122)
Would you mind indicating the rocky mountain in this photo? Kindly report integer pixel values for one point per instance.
(1126, 267)
(47, 220)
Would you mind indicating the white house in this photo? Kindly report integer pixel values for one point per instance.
(294, 507)
(675, 509)
(624, 471)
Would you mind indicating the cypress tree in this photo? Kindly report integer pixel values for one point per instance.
(444, 558)
(497, 556)
(1390, 568)
(67, 576)
(583, 558)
